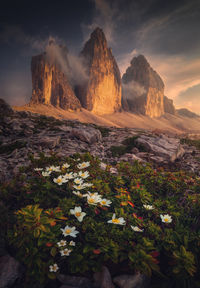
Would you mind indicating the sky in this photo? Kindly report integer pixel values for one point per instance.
(166, 32)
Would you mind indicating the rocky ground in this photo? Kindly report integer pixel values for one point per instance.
(24, 133)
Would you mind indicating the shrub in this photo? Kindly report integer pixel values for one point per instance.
(139, 219)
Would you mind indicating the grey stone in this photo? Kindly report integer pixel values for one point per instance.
(87, 134)
(132, 281)
(50, 142)
(169, 148)
(103, 278)
(10, 271)
(75, 281)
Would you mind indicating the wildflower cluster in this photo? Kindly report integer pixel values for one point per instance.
(83, 213)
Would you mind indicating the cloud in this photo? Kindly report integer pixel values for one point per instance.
(12, 34)
(15, 87)
(105, 16)
(132, 90)
(71, 65)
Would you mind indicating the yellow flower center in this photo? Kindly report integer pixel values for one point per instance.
(115, 220)
(54, 269)
(59, 180)
(78, 214)
(68, 231)
(103, 202)
(91, 200)
(166, 219)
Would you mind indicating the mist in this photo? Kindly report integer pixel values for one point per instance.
(132, 90)
(70, 64)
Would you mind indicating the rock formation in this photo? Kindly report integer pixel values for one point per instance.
(50, 83)
(169, 106)
(143, 89)
(186, 113)
(101, 94)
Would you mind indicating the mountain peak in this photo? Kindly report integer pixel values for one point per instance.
(140, 59)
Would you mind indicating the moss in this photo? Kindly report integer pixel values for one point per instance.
(9, 148)
(190, 142)
(128, 145)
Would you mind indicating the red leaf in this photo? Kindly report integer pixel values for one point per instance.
(97, 251)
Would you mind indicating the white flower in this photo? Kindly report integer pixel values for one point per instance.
(60, 180)
(53, 168)
(68, 175)
(69, 231)
(105, 202)
(166, 218)
(93, 200)
(148, 207)
(46, 174)
(53, 268)
(65, 166)
(75, 175)
(78, 193)
(103, 166)
(119, 221)
(62, 243)
(92, 194)
(65, 252)
(113, 170)
(84, 175)
(79, 187)
(78, 181)
(137, 229)
(38, 169)
(72, 243)
(77, 212)
(87, 184)
(83, 165)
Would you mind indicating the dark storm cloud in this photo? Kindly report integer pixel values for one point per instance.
(165, 31)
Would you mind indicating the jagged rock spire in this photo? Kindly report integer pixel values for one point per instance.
(101, 94)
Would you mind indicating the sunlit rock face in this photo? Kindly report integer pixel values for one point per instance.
(101, 94)
(51, 85)
(169, 106)
(143, 89)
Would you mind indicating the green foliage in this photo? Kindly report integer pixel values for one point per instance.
(9, 148)
(128, 145)
(40, 208)
(190, 142)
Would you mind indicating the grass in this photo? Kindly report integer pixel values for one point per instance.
(190, 142)
(128, 145)
(9, 148)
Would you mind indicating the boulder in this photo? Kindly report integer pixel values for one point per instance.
(10, 271)
(103, 278)
(74, 281)
(49, 142)
(132, 281)
(87, 134)
(163, 146)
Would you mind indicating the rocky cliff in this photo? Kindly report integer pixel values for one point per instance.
(169, 106)
(101, 93)
(143, 89)
(50, 85)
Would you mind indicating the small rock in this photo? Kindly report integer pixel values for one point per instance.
(10, 271)
(103, 278)
(132, 281)
(135, 150)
